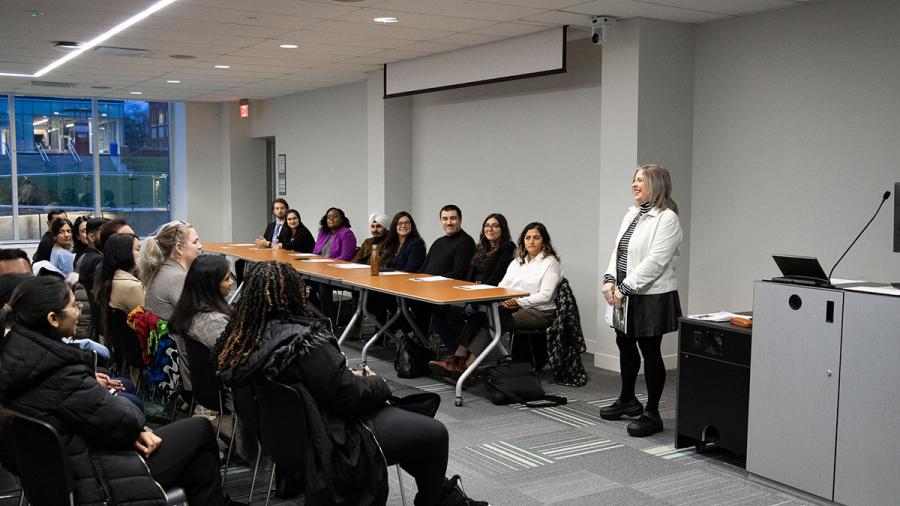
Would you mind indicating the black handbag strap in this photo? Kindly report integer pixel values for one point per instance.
(548, 401)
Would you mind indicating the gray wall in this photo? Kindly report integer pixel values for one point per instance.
(323, 134)
(796, 119)
(529, 149)
(246, 160)
(205, 170)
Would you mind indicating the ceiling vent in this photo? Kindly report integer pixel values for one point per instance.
(128, 52)
(52, 84)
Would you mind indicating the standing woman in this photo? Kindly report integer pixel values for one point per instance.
(295, 236)
(166, 257)
(641, 277)
(335, 240)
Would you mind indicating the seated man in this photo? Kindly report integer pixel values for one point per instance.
(449, 256)
(14, 260)
(269, 239)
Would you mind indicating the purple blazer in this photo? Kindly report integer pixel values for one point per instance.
(343, 247)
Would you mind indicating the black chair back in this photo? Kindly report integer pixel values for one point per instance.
(42, 462)
(282, 424)
(124, 337)
(206, 385)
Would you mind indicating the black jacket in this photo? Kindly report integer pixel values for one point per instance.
(491, 268)
(349, 467)
(409, 257)
(302, 241)
(449, 256)
(48, 380)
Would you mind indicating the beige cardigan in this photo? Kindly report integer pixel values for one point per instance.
(127, 292)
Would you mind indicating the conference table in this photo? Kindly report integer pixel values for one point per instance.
(403, 285)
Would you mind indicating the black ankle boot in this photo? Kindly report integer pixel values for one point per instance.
(648, 424)
(619, 409)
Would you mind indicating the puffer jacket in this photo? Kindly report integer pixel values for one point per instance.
(346, 463)
(51, 381)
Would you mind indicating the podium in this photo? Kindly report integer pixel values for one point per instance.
(824, 408)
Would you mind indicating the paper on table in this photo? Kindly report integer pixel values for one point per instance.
(430, 279)
(393, 273)
(302, 255)
(351, 266)
(721, 316)
(242, 244)
(839, 281)
(883, 290)
(318, 260)
(475, 287)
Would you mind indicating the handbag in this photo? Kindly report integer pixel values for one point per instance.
(423, 403)
(516, 382)
(412, 359)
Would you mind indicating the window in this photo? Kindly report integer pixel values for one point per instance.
(57, 166)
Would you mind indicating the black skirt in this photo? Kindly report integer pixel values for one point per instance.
(653, 315)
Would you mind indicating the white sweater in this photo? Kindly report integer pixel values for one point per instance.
(539, 277)
(652, 251)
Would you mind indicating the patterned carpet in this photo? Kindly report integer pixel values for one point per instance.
(513, 455)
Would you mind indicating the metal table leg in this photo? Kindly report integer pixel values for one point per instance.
(359, 309)
(381, 331)
(409, 318)
(494, 320)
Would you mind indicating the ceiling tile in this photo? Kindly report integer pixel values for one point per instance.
(729, 7)
(413, 20)
(468, 39)
(460, 8)
(634, 9)
(509, 29)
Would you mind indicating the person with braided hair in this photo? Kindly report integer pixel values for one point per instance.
(268, 337)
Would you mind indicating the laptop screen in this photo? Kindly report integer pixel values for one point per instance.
(793, 266)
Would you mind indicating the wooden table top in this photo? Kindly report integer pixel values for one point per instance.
(447, 291)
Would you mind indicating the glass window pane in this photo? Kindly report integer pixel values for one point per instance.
(55, 166)
(6, 231)
(134, 162)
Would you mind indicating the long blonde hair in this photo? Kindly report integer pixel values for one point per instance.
(160, 246)
(660, 183)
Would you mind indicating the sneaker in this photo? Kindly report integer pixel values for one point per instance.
(452, 494)
(648, 424)
(619, 409)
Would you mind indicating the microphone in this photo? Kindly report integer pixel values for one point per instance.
(884, 198)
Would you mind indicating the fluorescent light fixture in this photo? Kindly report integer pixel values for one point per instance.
(136, 92)
(70, 125)
(161, 4)
(288, 46)
(11, 74)
(40, 122)
(173, 81)
(56, 113)
(386, 20)
(222, 66)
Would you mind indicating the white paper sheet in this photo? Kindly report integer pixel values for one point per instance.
(392, 273)
(242, 244)
(429, 279)
(475, 287)
(302, 255)
(318, 260)
(351, 266)
(840, 281)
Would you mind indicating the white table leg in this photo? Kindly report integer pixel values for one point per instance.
(359, 309)
(381, 331)
(496, 331)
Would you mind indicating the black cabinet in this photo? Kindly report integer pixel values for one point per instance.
(713, 385)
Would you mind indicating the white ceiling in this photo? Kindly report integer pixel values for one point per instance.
(339, 42)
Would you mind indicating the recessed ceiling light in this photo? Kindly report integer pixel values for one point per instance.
(222, 66)
(173, 81)
(289, 46)
(136, 92)
(66, 45)
(386, 20)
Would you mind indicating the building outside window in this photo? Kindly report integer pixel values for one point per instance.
(55, 162)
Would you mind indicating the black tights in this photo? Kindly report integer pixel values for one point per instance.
(189, 457)
(419, 444)
(630, 363)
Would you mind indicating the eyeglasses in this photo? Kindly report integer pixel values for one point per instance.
(492, 225)
(404, 224)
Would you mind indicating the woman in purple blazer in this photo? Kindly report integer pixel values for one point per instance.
(335, 240)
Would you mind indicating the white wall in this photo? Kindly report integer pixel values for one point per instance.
(204, 170)
(529, 149)
(246, 164)
(796, 122)
(323, 134)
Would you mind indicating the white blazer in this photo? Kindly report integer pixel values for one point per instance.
(652, 251)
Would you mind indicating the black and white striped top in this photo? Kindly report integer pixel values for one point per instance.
(622, 253)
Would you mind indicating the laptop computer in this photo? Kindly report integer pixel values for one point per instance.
(800, 270)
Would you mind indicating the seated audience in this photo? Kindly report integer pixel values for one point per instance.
(202, 311)
(88, 267)
(267, 338)
(79, 238)
(295, 236)
(273, 230)
(59, 251)
(110, 227)
(166, 257)
(492, 256)
(48, 238)
(117, 286)
(535, 270)
(378, 227)
(43, 378)
(403, 248)
(335, 240)
(14, 260)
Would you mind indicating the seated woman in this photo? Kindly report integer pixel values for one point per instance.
(535, 270)
(267, 338)
(59, 251)
(295, 236)
(335, 240)
(117, 286)
(402, 250)
(43, 378)
(202, 311)
(492, 256)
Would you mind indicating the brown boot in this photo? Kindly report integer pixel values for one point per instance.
(448, 366)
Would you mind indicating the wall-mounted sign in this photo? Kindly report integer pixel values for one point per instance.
(281, 175)
(245, 108)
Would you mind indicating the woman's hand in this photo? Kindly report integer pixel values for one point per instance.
(364, 372)
(618, 297)
(107, 382)
(607, 291)
(509, 304)
(147, 443)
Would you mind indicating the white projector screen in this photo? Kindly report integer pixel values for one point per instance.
(530, 55)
